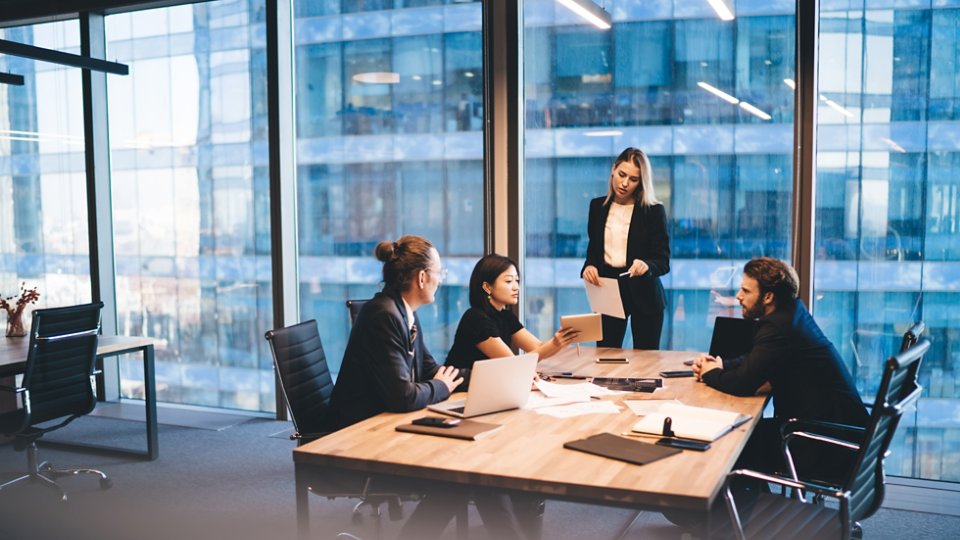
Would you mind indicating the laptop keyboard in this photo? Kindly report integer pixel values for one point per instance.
(456, 410)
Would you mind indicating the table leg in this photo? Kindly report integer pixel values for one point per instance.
(150, 402)
(303, 502)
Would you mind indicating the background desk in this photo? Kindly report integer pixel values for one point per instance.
(528, 455)
(13, 361)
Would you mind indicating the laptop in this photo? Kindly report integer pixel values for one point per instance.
(497, 384)
(732, 337)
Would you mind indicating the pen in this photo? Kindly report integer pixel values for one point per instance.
(625, 274)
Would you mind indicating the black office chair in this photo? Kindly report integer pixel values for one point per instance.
(912, 335)
(58, 382)
(766, 515)
(355, 306)
(307, 387)
(852, 434)
(305, 379)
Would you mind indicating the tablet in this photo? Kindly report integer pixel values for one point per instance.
(588, 324)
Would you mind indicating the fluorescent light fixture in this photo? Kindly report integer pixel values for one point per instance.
(722, 9)
(590, 11)
(835, 106)
(11, 78)
(377, 77)
(754, 111)
(607, 133)
(719, 93)
(790, 83)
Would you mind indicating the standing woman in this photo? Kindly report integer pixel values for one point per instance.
(627, 233)
(387, 366)
(489, 328)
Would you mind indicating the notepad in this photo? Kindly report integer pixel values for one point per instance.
(611, 446)
(698, 423)
(466, 429)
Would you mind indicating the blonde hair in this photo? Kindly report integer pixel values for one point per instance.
(644, 194)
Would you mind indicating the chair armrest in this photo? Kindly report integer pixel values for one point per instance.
(799, 486)
(830, 429)
(828, 491)
(788, 438)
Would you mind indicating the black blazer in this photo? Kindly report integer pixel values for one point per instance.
(808, 376)
(647, 240)
(377, 374)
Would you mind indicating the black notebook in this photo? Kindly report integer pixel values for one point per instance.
(629, 450)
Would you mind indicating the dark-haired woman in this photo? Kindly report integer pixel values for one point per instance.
(628, 241)
(488, 329)
(386, 366)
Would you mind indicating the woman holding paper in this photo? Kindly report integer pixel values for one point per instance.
(488, 329)
(628, 241)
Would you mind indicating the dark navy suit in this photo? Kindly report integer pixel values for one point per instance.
(380, 372)
(809, 382)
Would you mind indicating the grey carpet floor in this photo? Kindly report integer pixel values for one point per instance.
(237, 483)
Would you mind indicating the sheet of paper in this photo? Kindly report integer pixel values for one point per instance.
(605, 298)
(643, 407)
(578, 409)
(538, 400)
(573, 392)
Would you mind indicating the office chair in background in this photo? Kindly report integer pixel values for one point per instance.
(860, 495)
(355, 306)
(58, 382)
(307, 387)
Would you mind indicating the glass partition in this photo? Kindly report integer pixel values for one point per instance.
(43, 191)
(191, 200)
(888, 208)
(705, 99)
(389, 142)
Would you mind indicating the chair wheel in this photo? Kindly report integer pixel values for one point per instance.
(106, 483)
(856, 531)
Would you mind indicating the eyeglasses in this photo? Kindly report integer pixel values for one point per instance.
(441, 274)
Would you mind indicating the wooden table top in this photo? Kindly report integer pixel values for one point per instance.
(527, 453)
(14, 350)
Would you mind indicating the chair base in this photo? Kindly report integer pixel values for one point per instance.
(46, 475)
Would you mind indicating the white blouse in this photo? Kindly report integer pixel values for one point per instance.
(615, 235)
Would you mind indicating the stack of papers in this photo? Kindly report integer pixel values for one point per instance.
(687, 422)
(574, 392)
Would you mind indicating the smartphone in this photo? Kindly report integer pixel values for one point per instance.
(677, 373)
(436, 421)
(685, 444)
(612, 361)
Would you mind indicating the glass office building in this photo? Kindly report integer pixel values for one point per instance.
(389, 118)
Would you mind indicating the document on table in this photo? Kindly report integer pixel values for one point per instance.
(578, 409)
(573, 392)
(643, 407)
(605, 298)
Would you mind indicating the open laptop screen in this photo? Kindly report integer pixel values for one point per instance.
(732, 337)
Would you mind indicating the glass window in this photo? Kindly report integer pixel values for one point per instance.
(390, 142)
(887, 210)
(190, 192)
(723, 171)
(43, 193)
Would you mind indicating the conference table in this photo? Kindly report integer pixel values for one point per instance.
(13, 361)
(527, 453)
